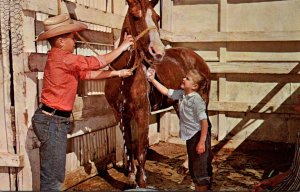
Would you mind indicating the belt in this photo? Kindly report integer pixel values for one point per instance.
(55, 111)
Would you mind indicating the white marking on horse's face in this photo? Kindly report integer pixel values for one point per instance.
(156, 47)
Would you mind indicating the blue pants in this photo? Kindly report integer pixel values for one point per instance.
(52, 133)
(199, 165)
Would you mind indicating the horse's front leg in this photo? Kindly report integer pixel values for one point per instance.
(129, 151)
(142, 121)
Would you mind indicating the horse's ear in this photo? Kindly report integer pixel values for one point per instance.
(134, 8)
(153, 3)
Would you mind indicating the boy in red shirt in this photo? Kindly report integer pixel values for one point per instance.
(51, 121)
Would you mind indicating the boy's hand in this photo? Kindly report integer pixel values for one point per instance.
(125, 73)
(128, 41)
(150, 74)
(200, 148)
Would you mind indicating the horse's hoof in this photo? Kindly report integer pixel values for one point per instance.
(131, 178)
(142, 184)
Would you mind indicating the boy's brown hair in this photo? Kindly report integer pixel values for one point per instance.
(198, 79)
(52, 40)
(202, 84)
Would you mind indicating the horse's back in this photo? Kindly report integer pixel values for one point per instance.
(176, 63)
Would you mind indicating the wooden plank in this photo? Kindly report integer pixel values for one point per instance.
(37, 62)
(255, 68)
(167, 15)
(7, 131)
(250, 107)
(223, 9)
(11, 160)
(24, 86)
(90, 36)
(119, 7)
(223, 54)
(263, 56)
(193, 2)
(91, 124)
(222, 123)
(212, 36)
(77, 11)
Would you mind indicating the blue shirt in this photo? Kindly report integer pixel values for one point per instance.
(191, 110)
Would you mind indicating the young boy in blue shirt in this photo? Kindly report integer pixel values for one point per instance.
(193, 124)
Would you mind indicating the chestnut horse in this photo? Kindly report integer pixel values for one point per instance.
(133, 98)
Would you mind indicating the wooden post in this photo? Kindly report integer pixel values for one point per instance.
(167, 19)
(7, 175)
(222, 129)
(24, 86)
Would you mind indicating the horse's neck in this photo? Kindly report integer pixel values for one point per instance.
(122, 61)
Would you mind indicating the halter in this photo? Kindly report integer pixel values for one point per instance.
(133, 48)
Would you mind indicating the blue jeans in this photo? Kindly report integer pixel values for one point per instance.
(52, 133)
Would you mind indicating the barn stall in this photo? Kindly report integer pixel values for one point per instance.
(252, 48)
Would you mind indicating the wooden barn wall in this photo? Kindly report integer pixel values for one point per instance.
(253, 50)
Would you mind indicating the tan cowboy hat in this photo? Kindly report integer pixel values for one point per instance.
(58, 25)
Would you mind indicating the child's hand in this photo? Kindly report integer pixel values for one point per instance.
(150, 74)
(128, 41)
(125, 73)
(200, 148)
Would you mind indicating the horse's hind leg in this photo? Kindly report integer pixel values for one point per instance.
(129, 150)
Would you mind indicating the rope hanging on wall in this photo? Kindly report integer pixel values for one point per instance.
(16, 22)
(4, 21)
(11, 21)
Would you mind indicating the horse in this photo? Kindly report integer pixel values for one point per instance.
(133, 98)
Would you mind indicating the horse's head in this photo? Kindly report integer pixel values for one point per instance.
(140, 17)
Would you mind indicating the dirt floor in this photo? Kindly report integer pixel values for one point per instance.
(234, 170)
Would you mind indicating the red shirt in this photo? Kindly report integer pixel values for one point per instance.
(61, 75)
